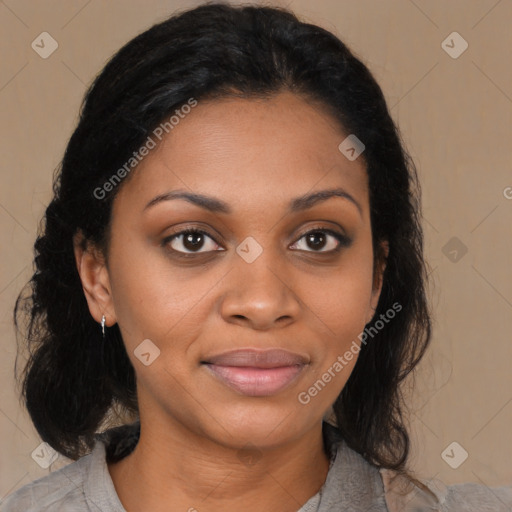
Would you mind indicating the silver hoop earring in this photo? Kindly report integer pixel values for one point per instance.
(103, 325)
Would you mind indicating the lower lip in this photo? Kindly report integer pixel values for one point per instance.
(256, 381)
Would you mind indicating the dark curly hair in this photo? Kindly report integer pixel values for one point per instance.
(72, 381)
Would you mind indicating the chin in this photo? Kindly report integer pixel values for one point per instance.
(261, 427)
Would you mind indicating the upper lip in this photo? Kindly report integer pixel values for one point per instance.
(270, 358)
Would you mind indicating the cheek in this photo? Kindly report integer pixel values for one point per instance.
(343, 318)
(340, 314)
(343, 300)
(346, 302)
(156, 300)
(341, 306)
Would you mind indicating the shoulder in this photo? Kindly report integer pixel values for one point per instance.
(56, 492)
(352, 480)
(472, 497)
(84, 485)
(404, 494)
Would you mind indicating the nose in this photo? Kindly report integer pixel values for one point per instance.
(260, 294)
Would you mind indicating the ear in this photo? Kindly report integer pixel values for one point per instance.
(91, 266)
(378, 276)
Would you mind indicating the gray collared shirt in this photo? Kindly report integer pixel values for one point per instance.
(352, 485)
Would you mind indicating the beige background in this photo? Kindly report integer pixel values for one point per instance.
(456, 119)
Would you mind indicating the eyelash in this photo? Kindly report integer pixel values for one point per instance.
(343, 241)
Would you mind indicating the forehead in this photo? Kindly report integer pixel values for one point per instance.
(250, 152)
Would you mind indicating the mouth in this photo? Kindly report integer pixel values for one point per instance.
(256, 372)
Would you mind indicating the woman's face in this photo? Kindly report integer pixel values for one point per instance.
(254, 280)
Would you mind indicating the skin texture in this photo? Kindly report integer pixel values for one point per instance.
(257, 156)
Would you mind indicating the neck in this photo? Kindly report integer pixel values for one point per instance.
(178, 467)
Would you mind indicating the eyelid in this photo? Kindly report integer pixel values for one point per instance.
(320, 227)
(175, 231)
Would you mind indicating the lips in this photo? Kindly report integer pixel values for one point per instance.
(256, 372)
(272, 358)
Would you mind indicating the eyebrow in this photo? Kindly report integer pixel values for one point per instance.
(215, 205)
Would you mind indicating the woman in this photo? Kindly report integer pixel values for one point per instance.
(232, 263)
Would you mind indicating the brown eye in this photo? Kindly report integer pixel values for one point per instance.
(321, 240)
(191, 241)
